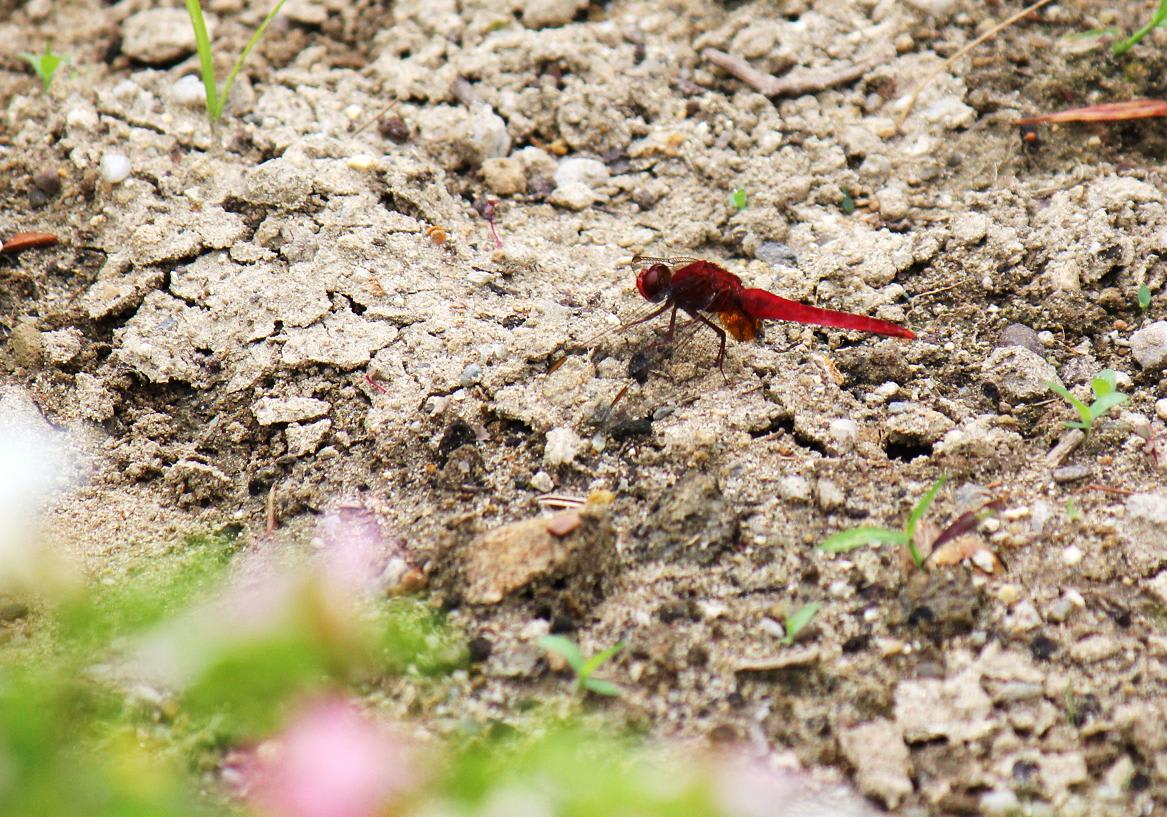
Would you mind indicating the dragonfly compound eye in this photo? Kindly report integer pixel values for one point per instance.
(653, 282)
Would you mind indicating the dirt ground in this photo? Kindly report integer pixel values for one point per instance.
(290, 310)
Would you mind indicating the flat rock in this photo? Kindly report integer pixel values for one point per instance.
(343, 339)
(955, 708)
(1143, 532)
(158, 36)
(882, 764)
(540, 550)
(271, 410)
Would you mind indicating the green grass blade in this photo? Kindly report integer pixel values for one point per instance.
(1104, 383)
(601, 687)
(599, 659)
(206, 58)
(565, 648)
(1144, 297)
(1080, 407)
(922, 508)
(1106, 402)
(848, 540)
(797, 620)
(1126, 45)
(245, 53)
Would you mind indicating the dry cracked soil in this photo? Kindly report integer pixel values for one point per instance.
(351, 289)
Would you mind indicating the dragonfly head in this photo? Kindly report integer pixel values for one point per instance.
(653, 282)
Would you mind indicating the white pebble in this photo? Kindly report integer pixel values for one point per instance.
(362, 161)
(353, 112)
(542, 481)
(115, 167)
(1161, 408)
(1072, 555)
(589, 172)
(189, 92)
(845, 432)
(563, 445)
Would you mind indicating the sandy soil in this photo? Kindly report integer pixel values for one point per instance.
(292, 308)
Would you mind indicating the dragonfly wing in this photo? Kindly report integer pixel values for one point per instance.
(758, 303)
(672, 263)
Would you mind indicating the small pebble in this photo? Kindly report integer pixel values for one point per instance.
(845, 432)
(1018, 334)
(189, 92)
(794, 489)
(1161, 408)
(1072, 555)
(471, 375)
(542, 482)
(1059, 610)
(563, 445)
(1009, 594)
(1149, 345)
(999, 803)
(362, 162)
(830, 496)
(115, 167)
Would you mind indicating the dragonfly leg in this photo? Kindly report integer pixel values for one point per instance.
(721, 334)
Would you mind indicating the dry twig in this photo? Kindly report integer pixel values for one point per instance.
(992, 32)
(795, 83)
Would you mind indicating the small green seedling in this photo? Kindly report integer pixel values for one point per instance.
(796, 622)
(847, 203)
(1106, 397)
(848, 540)
(739, 199)
(1160, 17)
(217, 97)
(583, 668)
(1144, 296)
(1073, 513)
(45, 65)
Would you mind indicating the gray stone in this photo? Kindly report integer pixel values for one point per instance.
(158, 36)
(1018, 334)
(1020, 374)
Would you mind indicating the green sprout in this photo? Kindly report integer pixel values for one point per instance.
(847, 203)
(583, 668)
(1106, 397)
(45, 64)
(739, 199)
(216, 97)
(848, 540)
(1160, 16)
(796, 622)
(1144, 296)
(1073, 512)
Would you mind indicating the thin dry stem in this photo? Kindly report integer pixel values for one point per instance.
(992, 32)
(795, 83)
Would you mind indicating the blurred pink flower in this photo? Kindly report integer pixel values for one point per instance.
(356, 555)
(330, 761)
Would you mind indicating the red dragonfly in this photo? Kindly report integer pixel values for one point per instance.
(695, 286)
